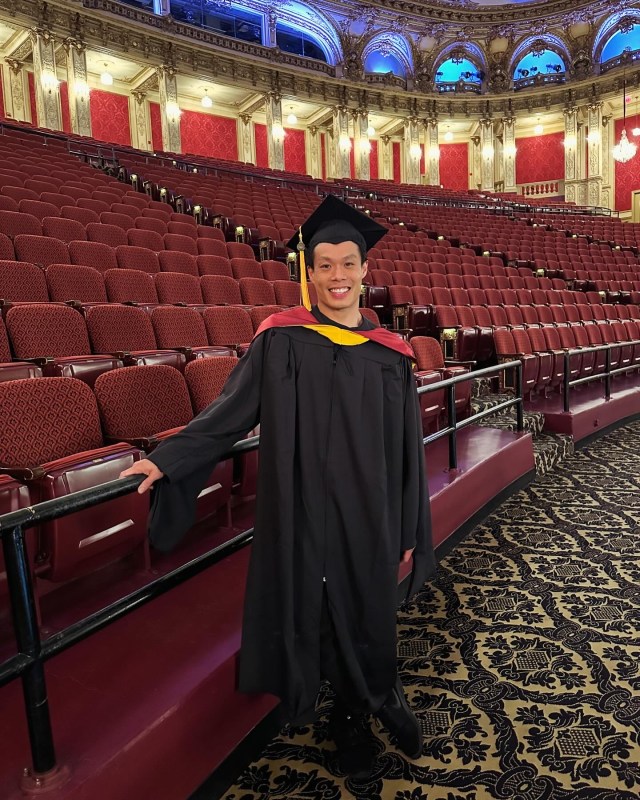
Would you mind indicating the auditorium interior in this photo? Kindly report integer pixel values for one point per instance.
(155, 158)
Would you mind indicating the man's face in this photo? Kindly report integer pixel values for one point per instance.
(337, 275)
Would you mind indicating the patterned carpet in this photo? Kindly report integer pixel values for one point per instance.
(521, 660)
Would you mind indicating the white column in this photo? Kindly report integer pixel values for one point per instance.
(487, 153)
(571, 164)
(341, 142)
(142, 121)
(78, 87)
(275, 130)
(607, 195)
(509, 153)
(412, 151)
(432, 151)
(595, 153)
(313, 146)
(362, 144)
(169, 109)
(46, 84)
(385, 158)
(246, 139)
(16, 91)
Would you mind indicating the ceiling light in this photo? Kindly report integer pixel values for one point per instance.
(538, 130)
(625, 150)
(371, 131)
(291, 117)
(106, 78)
(448, 137)
(206, 101)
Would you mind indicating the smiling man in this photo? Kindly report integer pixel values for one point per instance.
(341, 495)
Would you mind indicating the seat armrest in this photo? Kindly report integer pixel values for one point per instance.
(23, 474)
(145, 443)
(453, 363)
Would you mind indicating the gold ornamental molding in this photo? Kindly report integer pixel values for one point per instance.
(129, 32)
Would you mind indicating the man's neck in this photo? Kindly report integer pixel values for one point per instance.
(349, 317)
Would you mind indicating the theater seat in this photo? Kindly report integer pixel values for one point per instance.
(56, 453)
(147, 404)
(127, 332)
(55, 338)
(229, 326)
(429, 358)
(13, 370)
(183, 329)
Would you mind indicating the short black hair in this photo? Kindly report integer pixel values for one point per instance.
(312, 249)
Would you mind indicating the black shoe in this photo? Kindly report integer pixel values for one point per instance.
(401, 722)
(354, 742)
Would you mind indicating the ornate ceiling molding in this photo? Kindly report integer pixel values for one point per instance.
(137, 35)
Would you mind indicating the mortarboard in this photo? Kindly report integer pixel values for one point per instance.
(334, 222)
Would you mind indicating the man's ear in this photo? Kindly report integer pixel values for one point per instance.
(365, 268)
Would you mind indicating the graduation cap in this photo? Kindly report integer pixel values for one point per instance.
(333, 222)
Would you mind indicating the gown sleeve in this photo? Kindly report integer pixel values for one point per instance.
(416, 513)
(188, 458)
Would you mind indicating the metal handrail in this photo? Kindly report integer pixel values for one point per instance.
(608, 373)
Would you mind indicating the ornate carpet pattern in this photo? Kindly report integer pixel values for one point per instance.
(521, 659)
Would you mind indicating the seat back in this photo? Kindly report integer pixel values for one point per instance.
(220, 290)
(129, 286)
(72, 282)
(228, 325)
(206, 378)
(137, 402)
(47, 330)
(118, 329)
(178, 327)
(21, 282)
(174, 287)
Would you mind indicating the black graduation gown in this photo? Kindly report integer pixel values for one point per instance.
(341, 494)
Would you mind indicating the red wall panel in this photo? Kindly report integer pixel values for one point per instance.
(540, 158)
(627, 176)
(64, 106)
(454, 166)
(209, 135)
(323, 156)
(32, 98)
(373, 160)
(110, 117)
(156, 127)
(295, 158)
(262, 146)
(397, 169)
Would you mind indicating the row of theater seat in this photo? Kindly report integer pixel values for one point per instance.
(65, 283)
(49, 451)
(470, 332)
(542, 351)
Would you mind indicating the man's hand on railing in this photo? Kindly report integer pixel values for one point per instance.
(144, 467)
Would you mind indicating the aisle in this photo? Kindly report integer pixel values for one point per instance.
(522, 660)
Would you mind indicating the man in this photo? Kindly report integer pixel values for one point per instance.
(341, 495)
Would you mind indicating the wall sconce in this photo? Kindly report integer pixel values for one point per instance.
(49, 81)
(538, 129)
(593, 137)
(344, 143)
(365, 145)
(487, 151)
(448, 137)
(570, 142)
(510, 150)
(173, 111)
(206, 101)
(434, 153)
(81, 88)
(106, 78)
(277, 132)
(239, 233)
(415, 151)
(371, 131)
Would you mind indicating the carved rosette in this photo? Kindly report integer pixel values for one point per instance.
(275, 130)
(509, 153)
(169, 109)
(432, 151)
(46, 83)
(78, 87)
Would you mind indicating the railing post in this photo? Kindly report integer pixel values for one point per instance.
(25, 623)
(451, 416)
(520, 406)
(565, 385)
(607, 377)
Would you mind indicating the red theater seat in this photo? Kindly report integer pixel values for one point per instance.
(128, 332)
(176, 261)
(92, 254)
(130, 286)
(147, 404)
(228, 326)
(429, 358)
(183, 329)
(22, 283)
(214, 265)
(257, 292)
(57, 453)
(70, 282)
(220, 290)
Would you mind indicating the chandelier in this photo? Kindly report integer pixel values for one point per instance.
(625, 150)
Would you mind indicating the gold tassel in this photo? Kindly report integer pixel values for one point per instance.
(304, 289)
